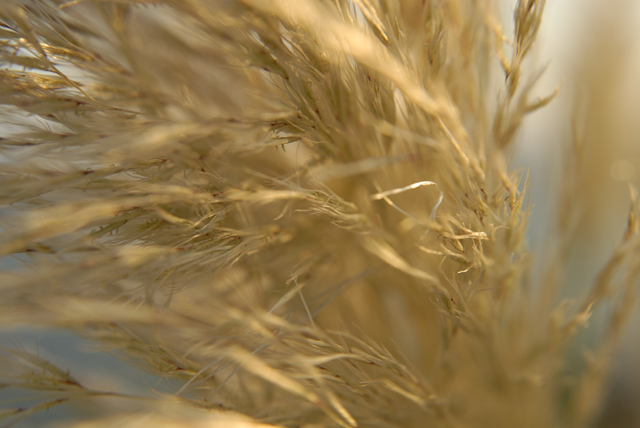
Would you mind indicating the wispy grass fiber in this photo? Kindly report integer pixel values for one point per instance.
(300, 210)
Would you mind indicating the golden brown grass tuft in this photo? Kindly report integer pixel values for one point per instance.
(300, 210)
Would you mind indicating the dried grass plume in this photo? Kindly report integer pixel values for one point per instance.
(300, 210)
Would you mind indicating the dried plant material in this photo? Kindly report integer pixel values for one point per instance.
(299, 211)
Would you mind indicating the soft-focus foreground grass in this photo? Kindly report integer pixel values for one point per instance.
(301, 213)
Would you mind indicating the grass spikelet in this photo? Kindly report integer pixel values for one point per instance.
(301, 212)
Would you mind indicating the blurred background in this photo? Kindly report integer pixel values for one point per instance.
(592, 49)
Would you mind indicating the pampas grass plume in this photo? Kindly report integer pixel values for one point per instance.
(301, 212)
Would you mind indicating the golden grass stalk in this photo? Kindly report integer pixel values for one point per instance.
(302, 211)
